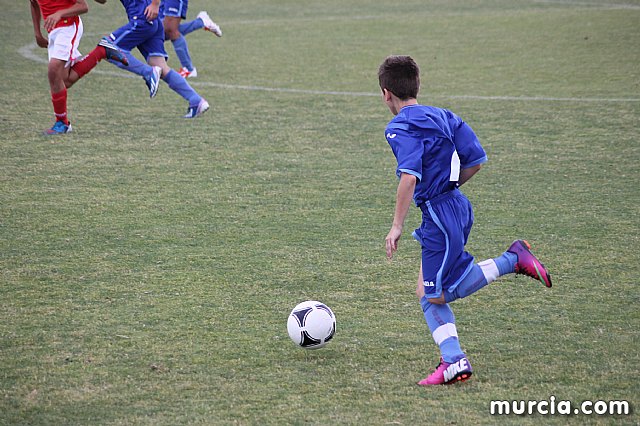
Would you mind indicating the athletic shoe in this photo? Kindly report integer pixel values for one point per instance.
(188, 74)
(528, 264)
(197, 111)
(113, 53)
(446, 374)
(209, 25)
(153, 81)
(59, 128)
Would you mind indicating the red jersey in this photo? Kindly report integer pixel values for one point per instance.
(49, 7)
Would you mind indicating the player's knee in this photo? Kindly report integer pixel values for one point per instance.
(54, 71)
(438, 301)
(172, 33)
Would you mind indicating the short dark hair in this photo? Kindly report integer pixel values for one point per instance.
(401, 76)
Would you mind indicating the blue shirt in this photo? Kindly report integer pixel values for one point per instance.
(432, 144)
(135, 8)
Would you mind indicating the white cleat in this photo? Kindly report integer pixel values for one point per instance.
(209, 25)
(153, 81)
(188, 74)
(197, 111)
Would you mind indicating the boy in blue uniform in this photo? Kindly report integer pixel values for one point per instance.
(174, 12)
(437, 152)
(146, 32)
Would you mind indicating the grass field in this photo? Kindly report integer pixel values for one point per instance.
(148, 263)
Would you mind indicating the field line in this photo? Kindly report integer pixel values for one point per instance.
(27, 52)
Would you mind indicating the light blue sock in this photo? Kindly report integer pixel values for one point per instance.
(136, 66)
(189, 27)
(182, 52)
(178, 84)
(506, 263)
(481, 274)
(442, 324)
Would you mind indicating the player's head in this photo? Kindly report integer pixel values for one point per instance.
(400, 75)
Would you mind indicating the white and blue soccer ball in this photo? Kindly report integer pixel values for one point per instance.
(311, 324)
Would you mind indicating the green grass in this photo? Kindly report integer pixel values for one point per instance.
(148, 263)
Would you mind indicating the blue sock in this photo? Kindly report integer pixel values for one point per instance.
(136, 66)
(481, 274)
(191, 26)
(442, 324)
(182, 52)
(178, 84)
(506, 263)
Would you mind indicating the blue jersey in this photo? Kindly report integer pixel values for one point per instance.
(135, 8)
(147, 36)
(432, 144)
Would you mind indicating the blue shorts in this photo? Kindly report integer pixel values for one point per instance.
(148, 37)
(177, 8)
(445, 228)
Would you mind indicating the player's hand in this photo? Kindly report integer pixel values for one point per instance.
(42, 41)
(391, 241)
(51, 21)
(151, 12)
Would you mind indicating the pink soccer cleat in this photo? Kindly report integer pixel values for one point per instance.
(446, 373)
(528, 264)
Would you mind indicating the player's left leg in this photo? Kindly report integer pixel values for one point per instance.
(104, 50)
(454, 365)
(172, 32)
(446, 223)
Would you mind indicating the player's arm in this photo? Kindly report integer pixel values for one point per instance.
(466, 174)
(78, 8)
(151, 11)
(36, 17)
(404, 196)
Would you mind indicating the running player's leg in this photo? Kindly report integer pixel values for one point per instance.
(153, 51)
(174, 12)
(134, 35)
(62, 48)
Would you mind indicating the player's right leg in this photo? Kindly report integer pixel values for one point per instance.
(153, 50)
(527, 264)
(56, 72)
(197, 104)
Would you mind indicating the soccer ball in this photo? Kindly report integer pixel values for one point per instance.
(311, 324)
